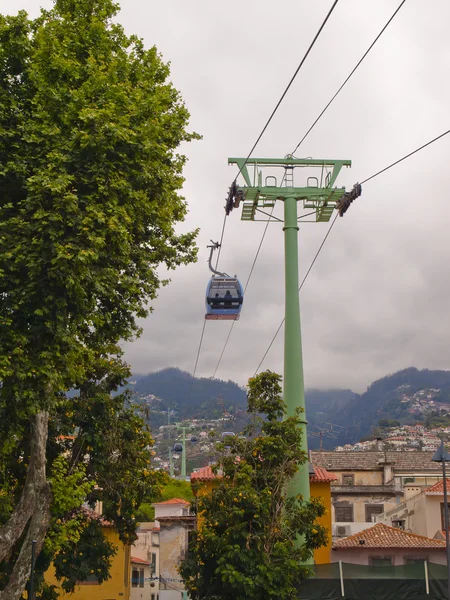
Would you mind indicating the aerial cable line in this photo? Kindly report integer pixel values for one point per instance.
(300, 287)
(247, 282)
(334, 221)
(253, 148)
(221, 240)
(245, 289)
(349, 76)
(406, 156)
(196, 362)
(289, 85)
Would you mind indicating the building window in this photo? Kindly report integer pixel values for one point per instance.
(372, 510)
(381, 561)
(443, 516)
(414, 561)
(153, 596)
(155, 538)
(135, 577)
(185, 512)
(141, 578)
(348, 480)
(153, 564)
(343, 513)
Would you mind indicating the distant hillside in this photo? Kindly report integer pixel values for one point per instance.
(208, 399)
(211, 397)
(385, 399)
(343, 416)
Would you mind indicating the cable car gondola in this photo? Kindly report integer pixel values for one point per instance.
(224, 295)
(178, 448)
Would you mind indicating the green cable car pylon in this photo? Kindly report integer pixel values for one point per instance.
(320, 197)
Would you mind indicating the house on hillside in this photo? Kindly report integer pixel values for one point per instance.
(319, 480)
(421, 512)
(117, 586)
(175, 522)
(372, 482)
(384, 546)
(145, 563)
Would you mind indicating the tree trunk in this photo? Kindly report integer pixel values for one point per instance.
(33, 508)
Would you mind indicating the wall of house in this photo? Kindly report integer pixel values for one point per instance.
(413, 512)
(359, 503)
(399, 557)
(360, 477)
(172, 549)
(323, 490)
(170, 510)
(433, 514)
(147, 544)
(119, 584)
(138, 592)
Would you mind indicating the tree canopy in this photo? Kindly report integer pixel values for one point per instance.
(245, 545)
(89, 203)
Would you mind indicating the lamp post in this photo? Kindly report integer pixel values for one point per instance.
(442, 456)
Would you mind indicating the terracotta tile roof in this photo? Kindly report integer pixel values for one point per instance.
(322, 476)
(139, 561)
(368, 460)
(203, 474)
(383, 536)
(171, 501)
(437, 489)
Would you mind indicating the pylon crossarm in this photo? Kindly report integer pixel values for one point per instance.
(263, 192)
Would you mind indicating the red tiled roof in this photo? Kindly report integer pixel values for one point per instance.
(203, 474)
(139, 561)
(383, 536)
(322, 476)
(437, 488)
(171, 501)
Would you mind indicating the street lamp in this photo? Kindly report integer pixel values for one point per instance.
(443, 456)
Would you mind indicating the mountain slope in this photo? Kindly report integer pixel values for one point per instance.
(383, 400)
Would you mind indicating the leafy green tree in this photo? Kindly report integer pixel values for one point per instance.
(89, 200)
(245, 546)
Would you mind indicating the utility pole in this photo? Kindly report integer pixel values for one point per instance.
(319, 196)
(183, 454)
(170, 463)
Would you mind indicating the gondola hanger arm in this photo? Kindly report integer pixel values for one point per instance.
(215, 246)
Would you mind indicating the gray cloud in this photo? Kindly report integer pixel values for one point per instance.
(377, 298)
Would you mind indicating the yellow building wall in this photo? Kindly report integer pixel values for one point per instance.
(117, 587)
(317, 490)
(323, 490)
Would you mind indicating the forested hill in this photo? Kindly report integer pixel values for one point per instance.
(391, 397)
(208, 399)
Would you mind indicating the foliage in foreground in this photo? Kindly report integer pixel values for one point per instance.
(244, 548)
(89, 201)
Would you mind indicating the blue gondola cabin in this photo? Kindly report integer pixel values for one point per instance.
(224, 297)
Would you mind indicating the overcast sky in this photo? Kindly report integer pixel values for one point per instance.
(377, 298)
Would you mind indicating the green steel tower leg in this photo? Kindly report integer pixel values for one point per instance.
(170, 462)
(294, 389)
(183, 455)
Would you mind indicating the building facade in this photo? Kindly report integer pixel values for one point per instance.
(175, 522)
(319, 479)
(117, 587)
(370, 483)
(384, 546)
(145, 563)
(421, 512)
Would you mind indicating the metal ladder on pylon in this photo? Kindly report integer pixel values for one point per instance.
(289, 176)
